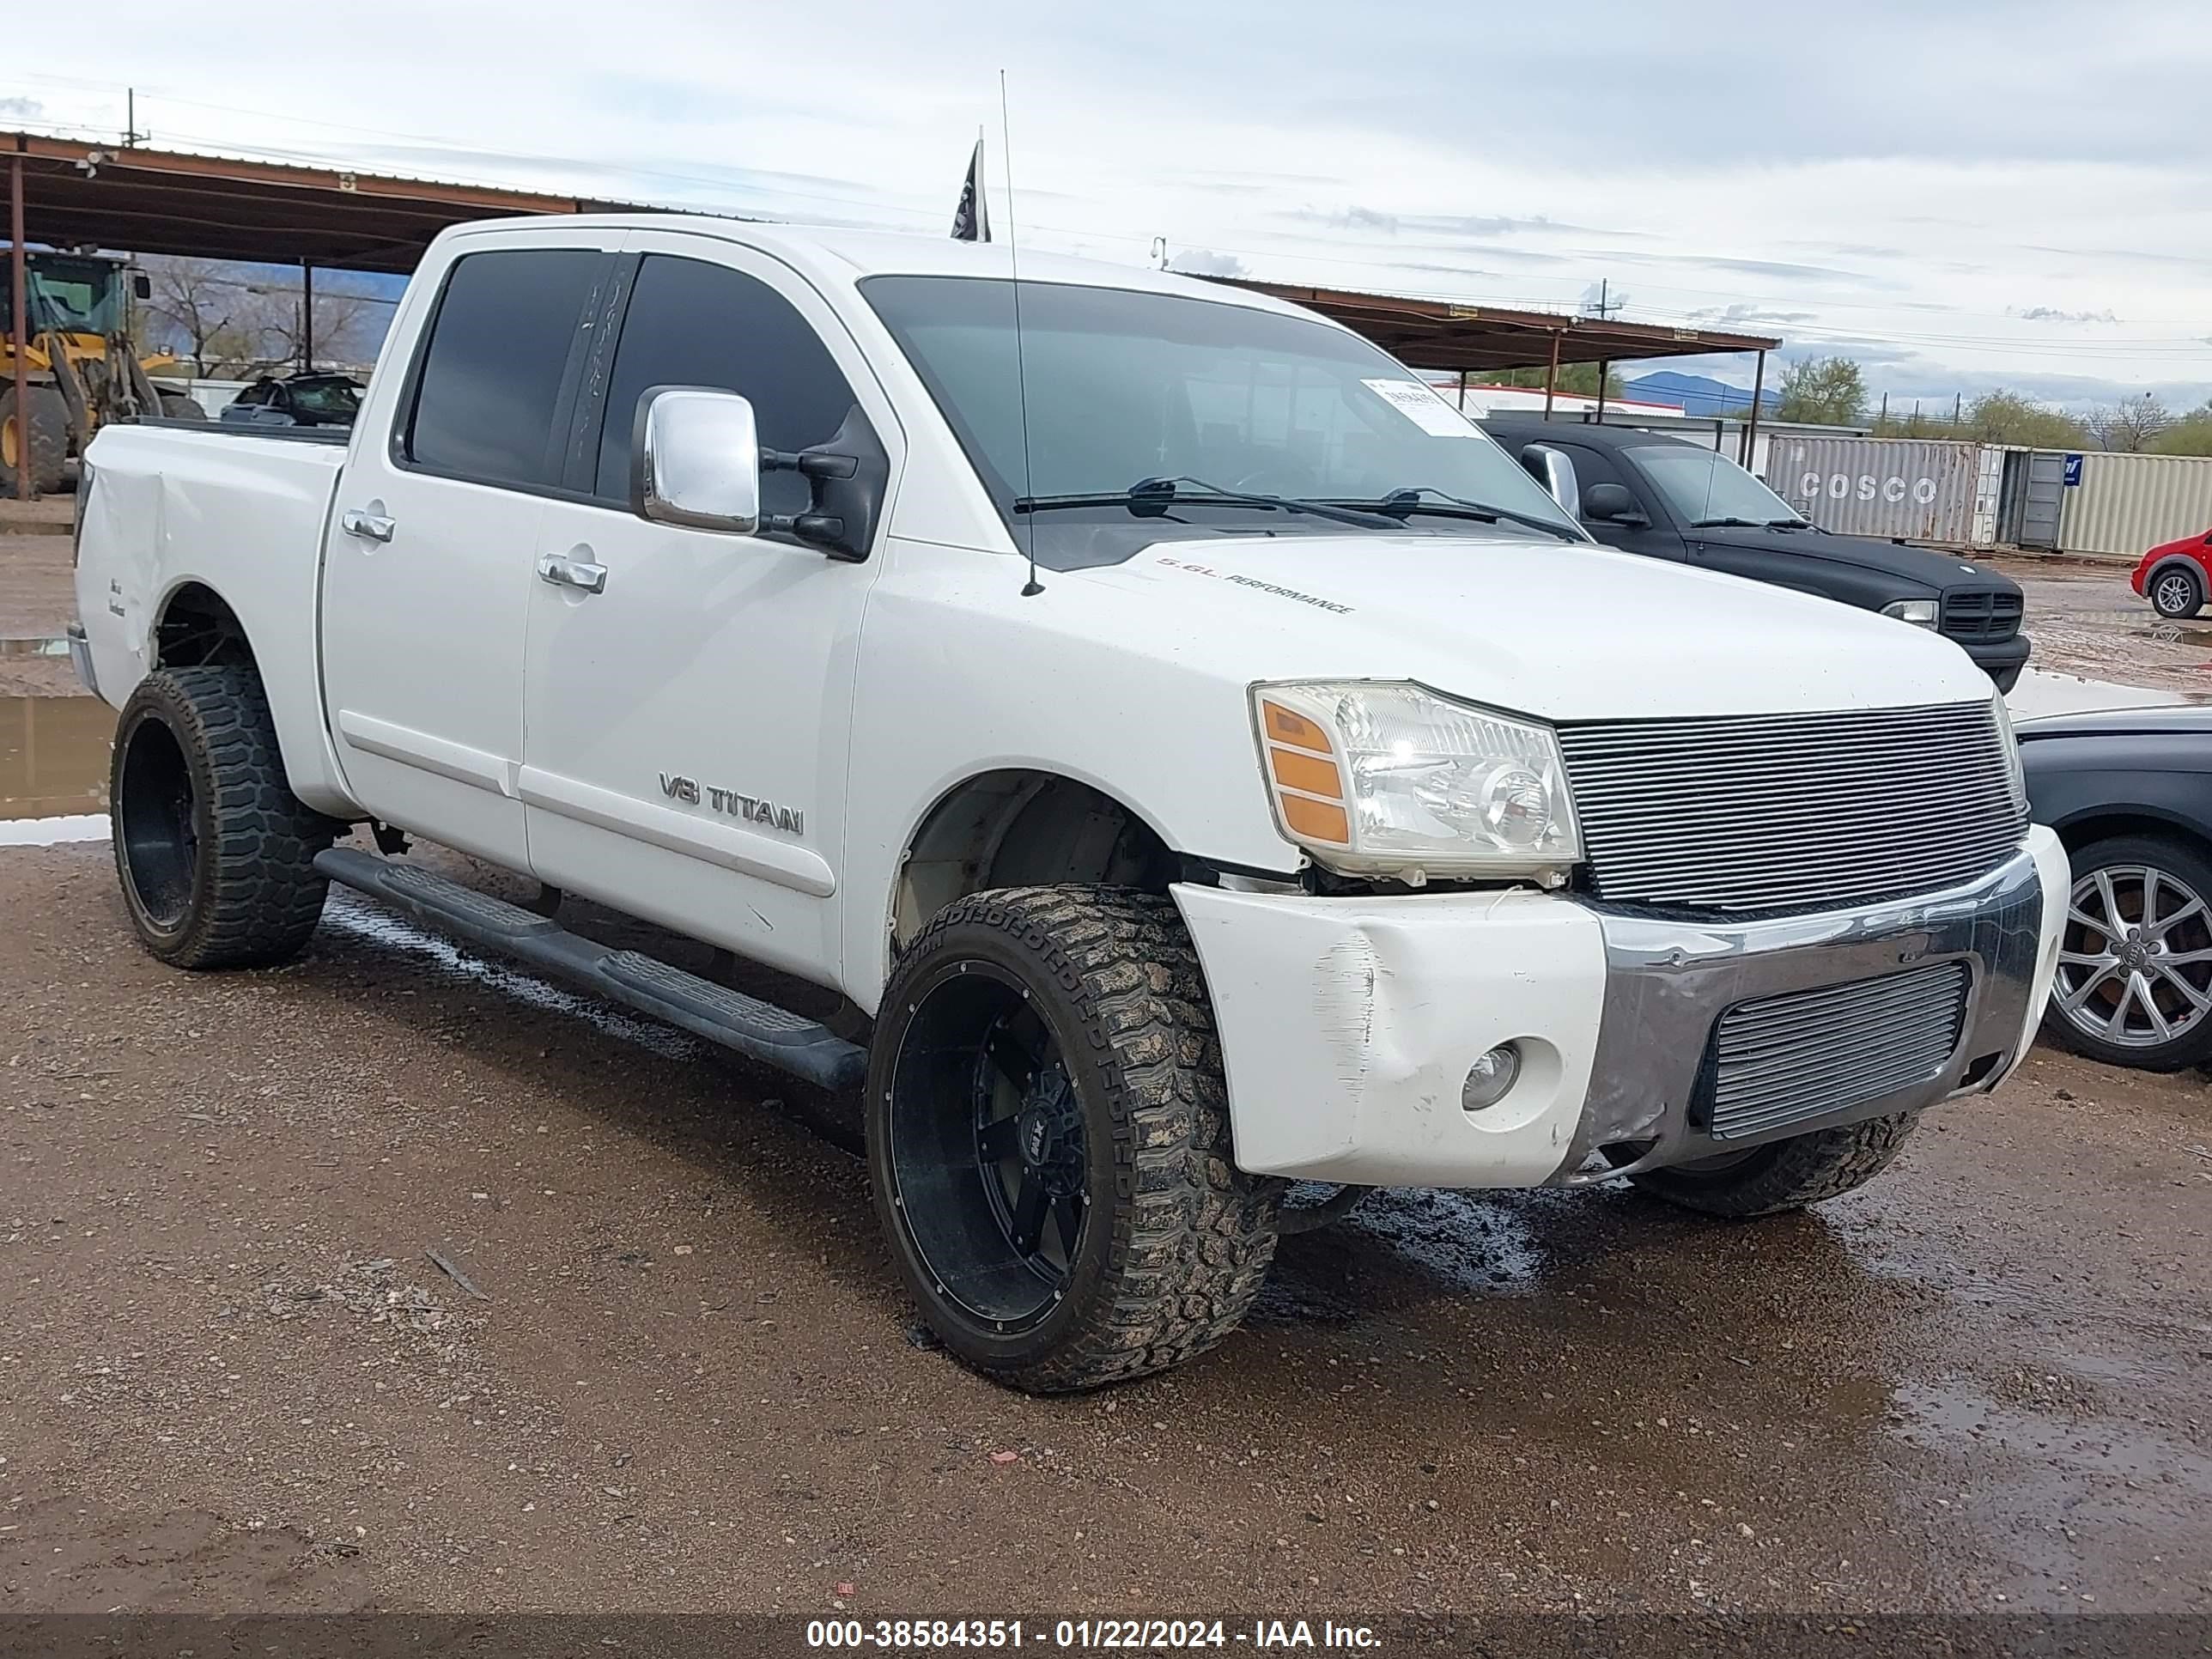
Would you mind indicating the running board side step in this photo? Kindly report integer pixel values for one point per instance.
(758, 1030)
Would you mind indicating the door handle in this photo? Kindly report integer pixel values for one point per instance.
(369, 526)
(573, 573)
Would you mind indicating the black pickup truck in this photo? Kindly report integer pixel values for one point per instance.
(1645, 493)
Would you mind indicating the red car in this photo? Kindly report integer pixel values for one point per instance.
(2175, 576)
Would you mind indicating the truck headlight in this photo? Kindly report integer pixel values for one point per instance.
(1386, 778)
(1921, 613)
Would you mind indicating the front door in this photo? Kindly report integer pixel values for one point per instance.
(686, 710)
(428, 569)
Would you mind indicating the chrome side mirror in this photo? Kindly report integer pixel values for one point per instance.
(1554, 469)
(695, 459)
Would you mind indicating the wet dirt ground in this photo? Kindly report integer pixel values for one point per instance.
(231, 1376)
(2085, 620)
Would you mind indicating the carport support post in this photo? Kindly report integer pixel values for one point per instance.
(307, 317)
(1751, 426)
(1604, 371)
(19, 330)
(1552, 374)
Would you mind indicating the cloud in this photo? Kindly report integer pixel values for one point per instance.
(2052, 314)
(1205, 262)
(21, 109)
(1482, 227)
(1743, 311)
(1778, 270)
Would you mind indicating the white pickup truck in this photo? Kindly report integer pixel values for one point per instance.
(1320, 805)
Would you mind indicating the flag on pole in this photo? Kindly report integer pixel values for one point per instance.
(971, 221)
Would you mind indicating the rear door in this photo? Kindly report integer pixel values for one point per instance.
(686, 724)
(428, 569)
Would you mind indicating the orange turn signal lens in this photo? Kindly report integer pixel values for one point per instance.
(1307, 773)
(1317, 820)
(1284, 727)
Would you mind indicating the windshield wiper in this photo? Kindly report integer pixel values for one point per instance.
(1730, 524)
(1151, 497)
(1399, 504)
(1789, 523)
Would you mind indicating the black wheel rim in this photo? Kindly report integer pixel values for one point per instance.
(988, 1160)
(156, 825)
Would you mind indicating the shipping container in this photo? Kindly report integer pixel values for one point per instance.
(1918, 489)
(2131, 503)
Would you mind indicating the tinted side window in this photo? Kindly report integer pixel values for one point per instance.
(491, 376)
(694, 323)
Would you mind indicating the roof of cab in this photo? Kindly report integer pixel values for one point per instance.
(1526, 428)
(835, 253)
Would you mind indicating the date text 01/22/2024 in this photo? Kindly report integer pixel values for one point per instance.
(895, 1635)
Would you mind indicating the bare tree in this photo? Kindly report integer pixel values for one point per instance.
(342, 324)
(240, 321)
(196, 306)
(2130, 425)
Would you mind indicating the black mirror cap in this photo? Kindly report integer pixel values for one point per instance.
(1609, 501)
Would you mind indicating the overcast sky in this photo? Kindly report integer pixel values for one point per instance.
(1959, 193)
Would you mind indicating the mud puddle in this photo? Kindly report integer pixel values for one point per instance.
(53, 754)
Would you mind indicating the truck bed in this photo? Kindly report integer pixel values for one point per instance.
(243, 510)
(338, 436)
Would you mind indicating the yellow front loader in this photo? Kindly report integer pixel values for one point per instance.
(79, 365)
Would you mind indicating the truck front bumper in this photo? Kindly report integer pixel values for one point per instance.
(2000, 659)
(1348, 1025)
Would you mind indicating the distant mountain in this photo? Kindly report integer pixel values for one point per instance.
(1699, 394)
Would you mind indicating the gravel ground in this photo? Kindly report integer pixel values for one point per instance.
(230, 1374)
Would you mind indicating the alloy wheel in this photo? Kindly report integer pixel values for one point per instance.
(2135, 966)
(2174, 595)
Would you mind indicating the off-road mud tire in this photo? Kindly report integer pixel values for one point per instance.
(1189, 1237)
(1786, 1174)
(254, 896)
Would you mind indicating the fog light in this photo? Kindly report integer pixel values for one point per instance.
(1491, 1078)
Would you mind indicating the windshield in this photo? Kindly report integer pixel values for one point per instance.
(77, 296)
(1125, 387)
(339, 399)
(1700, 486)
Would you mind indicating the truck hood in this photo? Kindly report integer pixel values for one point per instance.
(1546, 629)
(1918, 570)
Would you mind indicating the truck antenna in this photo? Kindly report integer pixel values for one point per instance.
(1033, 586)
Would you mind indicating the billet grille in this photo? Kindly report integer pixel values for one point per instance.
(1758, 812)
(1793, 1059)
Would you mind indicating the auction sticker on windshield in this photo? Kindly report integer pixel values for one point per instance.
(1420, 405)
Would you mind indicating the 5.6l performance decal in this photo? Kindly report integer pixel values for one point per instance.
(1253, 581)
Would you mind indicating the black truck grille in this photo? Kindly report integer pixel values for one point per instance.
(1985, 616)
